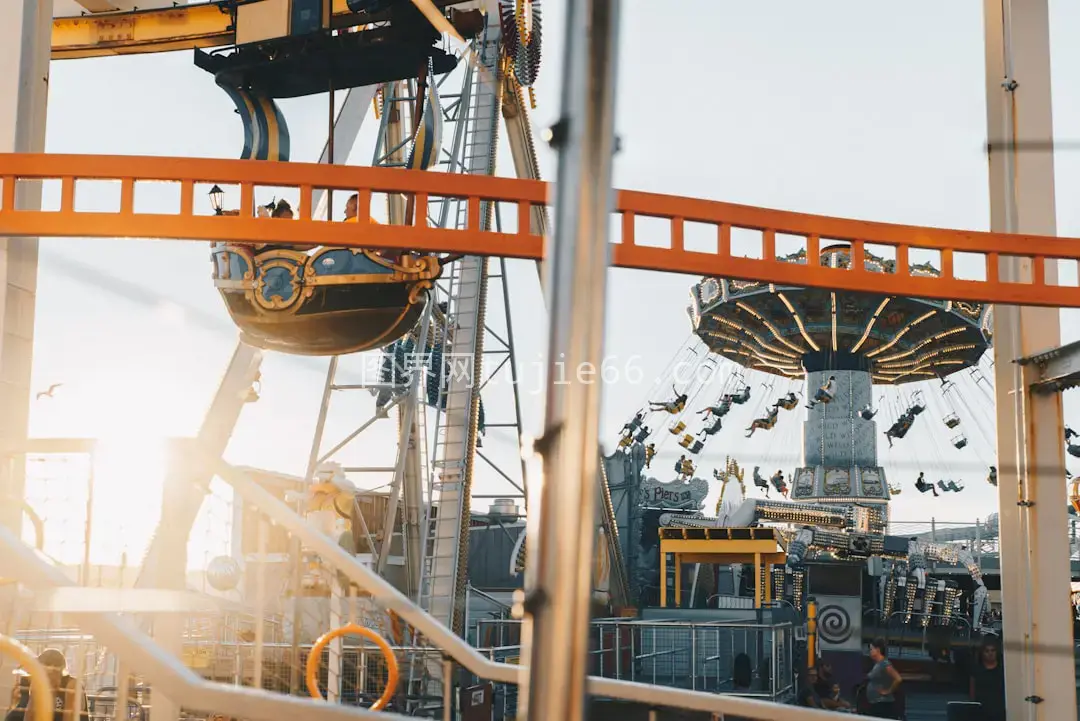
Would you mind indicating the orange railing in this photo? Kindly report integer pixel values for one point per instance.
(663, 247)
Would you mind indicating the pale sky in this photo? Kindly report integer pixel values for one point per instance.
(842, 108)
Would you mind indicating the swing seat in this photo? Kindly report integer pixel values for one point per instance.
(917, 409)
(686, 440)
(866, 414)
(678, 428)
(1074, 450)
(959, 442)
(952, 421)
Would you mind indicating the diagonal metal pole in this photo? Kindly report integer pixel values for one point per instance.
(557, 603)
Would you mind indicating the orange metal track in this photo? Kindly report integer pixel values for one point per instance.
(664, 253)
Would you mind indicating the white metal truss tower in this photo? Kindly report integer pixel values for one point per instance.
(432, 482)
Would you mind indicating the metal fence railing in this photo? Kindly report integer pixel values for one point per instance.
(693, 656)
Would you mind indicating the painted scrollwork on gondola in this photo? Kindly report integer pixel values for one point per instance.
(279, 283)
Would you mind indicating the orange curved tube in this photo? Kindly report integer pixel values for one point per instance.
(311, 668)
(40, 688)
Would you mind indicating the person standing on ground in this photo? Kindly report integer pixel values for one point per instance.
(987, 685)
(882, 682)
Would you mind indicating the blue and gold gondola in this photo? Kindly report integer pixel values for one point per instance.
(328, 302)
(322, 300)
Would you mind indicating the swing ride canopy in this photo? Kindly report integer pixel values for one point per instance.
(787, 330)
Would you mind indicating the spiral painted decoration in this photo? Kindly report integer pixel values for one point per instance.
(834, 625)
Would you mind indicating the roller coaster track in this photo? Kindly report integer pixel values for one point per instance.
(666, 249)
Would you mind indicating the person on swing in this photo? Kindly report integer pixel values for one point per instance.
(825, 393)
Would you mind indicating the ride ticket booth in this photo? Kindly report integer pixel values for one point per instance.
(763, 548)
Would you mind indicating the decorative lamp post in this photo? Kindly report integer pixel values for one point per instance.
(217, 199)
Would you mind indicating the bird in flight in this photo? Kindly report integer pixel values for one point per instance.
(48, 393)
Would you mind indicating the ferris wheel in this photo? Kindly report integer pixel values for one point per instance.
(447, 88)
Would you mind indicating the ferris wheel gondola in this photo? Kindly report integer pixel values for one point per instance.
(313, 299)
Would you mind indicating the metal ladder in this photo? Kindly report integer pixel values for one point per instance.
(446, 516)
(479, 134)
(443, 517)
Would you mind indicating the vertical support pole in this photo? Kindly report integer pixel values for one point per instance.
(678, 580)
(25, 45)
(263, 538)
(559, 592)
(1039, 668)
(757, 580)
(337, 646)
(663, 577)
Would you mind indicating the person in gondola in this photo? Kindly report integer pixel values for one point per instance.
(692, 444)
(778, 482)
(634, 424)
(901, 427)
(922, 485)
(738, 398)
(674, 407)
(825, 393)
(650, 453)
(282, 209)
(684, 467)
(352, 206)
(759, 480)
(787, 402)
(715, 428)
(991, 478)
(765, 423)
(717, 411)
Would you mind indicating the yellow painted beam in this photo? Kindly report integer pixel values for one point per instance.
(142, 31)
(137, 32)
(776, 559)
(698, 545)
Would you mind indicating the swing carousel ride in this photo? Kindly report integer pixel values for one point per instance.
(828, 354)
